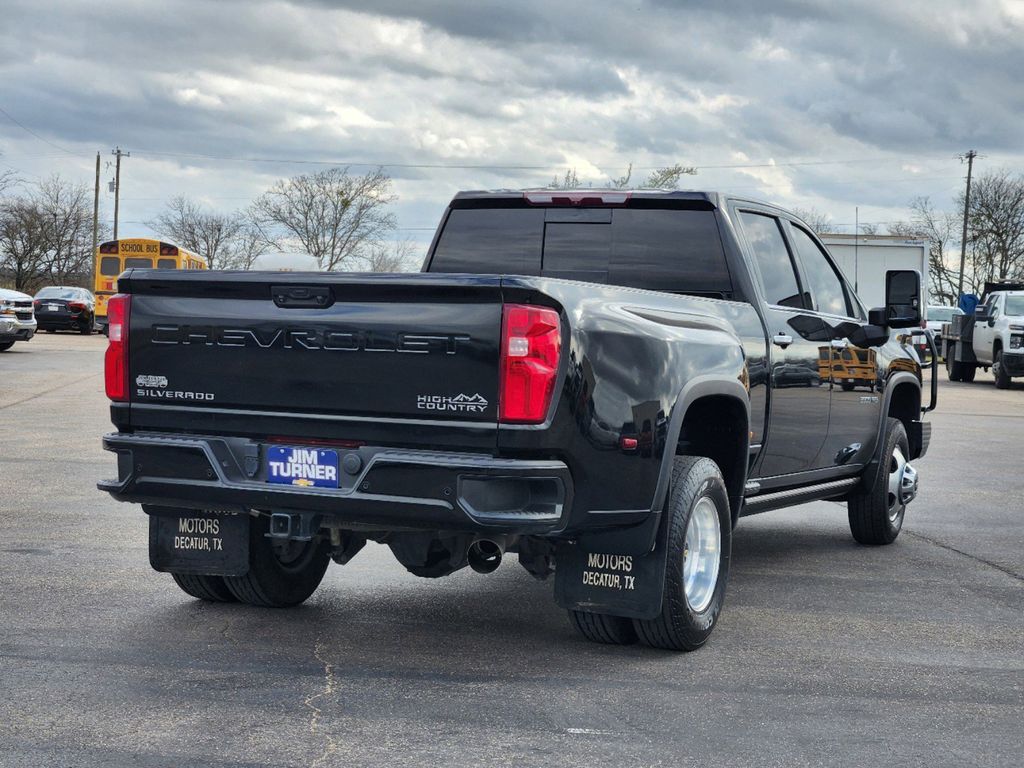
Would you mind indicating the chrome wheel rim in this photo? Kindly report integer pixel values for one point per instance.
(902, 485)
(702, 555)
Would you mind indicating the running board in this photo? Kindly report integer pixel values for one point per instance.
(765, 502)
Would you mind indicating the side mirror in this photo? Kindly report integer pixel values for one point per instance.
(902, 300)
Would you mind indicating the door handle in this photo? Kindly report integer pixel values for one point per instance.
(782, 340)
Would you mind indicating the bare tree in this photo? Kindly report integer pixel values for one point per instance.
(995, 228)
(209, 234)
(942, 231)
(24, 242)
(669, 176)
(66, 209)
(661, 178)
(815, 219)
(400, 256)
(335, 217)
(46, 235)
(250, 242)
(623, 181)
(569, 181)
(8, 179)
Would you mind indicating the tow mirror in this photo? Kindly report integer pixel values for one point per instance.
(902, 300)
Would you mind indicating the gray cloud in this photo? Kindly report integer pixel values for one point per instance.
(900, 86)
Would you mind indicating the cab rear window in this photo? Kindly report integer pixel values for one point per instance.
(671, 250)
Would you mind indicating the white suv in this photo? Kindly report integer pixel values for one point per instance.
(17, 319)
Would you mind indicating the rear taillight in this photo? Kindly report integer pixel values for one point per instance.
(531, 341)
(76, 306)
(115, 364)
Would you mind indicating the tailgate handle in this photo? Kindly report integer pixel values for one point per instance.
(302, 296)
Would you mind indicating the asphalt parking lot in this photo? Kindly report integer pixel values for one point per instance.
(828, 653)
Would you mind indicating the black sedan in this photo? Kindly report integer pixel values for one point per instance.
(59, 308)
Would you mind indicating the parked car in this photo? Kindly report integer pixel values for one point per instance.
(60, 308)
(937, 317)
(606, 394)
(17, 320)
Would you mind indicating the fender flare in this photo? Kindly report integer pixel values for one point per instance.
(894, 381)
(696, 388)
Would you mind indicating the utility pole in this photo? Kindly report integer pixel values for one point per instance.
(96, 211)
(969, 157)
(117, 183)
(856, 252)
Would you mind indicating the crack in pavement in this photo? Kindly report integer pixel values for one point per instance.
(1001, 568)
(330, 746)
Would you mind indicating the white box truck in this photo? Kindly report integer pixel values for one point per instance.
(865, 258)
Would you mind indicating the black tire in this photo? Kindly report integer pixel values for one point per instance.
(999, 371)
(957, 371)
(876, 517)
(952, 366)
(599, 628)
(276, 581)
(86, 328)
(209, 588)
(679, 627)
(5, 345)
(847, 386)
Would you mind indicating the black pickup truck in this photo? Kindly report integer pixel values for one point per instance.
(599, 382)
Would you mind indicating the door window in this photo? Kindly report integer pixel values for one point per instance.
(823, 282)
(778, 276)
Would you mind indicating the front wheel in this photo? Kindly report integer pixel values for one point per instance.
(699, 541)
(876, 512)
(5, 345)
(279, 577)
(999, 371)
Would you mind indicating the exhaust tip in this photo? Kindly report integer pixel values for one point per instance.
(484, 556)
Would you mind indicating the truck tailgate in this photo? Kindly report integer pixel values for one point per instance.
(352, 348)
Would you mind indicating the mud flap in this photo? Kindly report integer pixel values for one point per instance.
(620, 585)
(198, 543)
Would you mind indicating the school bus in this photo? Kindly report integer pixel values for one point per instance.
(115, 256)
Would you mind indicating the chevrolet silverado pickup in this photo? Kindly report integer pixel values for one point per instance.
(599, 382)
(993, 337)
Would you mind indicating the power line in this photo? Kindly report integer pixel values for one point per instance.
(28, 130)
(484, 166)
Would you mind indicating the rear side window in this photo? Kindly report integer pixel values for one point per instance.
(778, 276)
(166, 264)
(491, 241)
(654, 249)
(823, 281)
(110, 266)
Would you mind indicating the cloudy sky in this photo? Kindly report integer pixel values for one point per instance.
(822, 105)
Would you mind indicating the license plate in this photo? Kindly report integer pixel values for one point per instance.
(304, 467)
(53, 307)
(199, 543)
